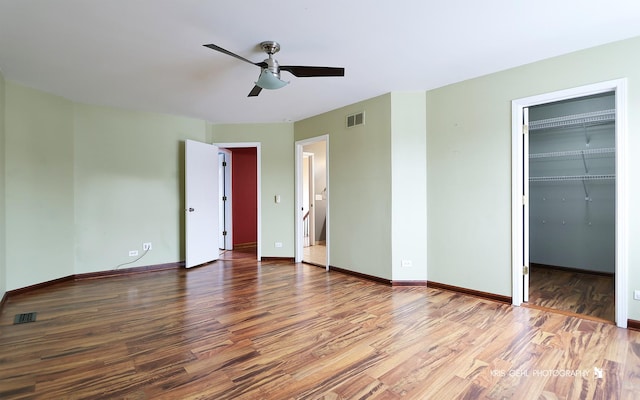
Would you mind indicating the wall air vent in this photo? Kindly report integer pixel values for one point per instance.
(355, 119)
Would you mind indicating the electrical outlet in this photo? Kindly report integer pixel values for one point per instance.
(133, 253)
(278, 244)
(636, 294)
(147, 246)
(406, 263)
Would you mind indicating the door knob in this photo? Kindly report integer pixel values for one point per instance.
(191, 209)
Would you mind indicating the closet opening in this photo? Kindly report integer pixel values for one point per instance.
(239, 198)
(572, 176)
(569, 201)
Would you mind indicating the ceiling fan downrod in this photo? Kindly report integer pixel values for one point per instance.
(271, 48)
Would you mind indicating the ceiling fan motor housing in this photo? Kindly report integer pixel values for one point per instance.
(273, 66)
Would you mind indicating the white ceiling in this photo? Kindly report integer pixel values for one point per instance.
(148, 54)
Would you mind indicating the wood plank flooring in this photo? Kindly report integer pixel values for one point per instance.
(316, 254)
(242, 329)
(577, 292)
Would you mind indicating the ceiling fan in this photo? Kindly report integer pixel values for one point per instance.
(270, 69)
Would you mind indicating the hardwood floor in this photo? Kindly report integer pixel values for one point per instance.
(580, 293)
(242, 329)
(316, 254)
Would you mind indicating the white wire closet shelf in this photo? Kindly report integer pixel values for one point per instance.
(564, 178)
(573, 153)
(590, 118)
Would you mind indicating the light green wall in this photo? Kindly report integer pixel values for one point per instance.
(377, 178)
(129, 169)
(468, 181)
(86, 184)
(359, 185)
(3, 259)
(277, 178)
(409, 185)
(39, 187)
(469, 163)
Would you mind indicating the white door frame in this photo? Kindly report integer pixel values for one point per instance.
(619, 86)
(228, 210)
(311, 193)
(299, 145)
(258, 188)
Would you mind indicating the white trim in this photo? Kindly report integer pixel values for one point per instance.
(311, 193)
(257, 145)
(622, 183)
(525, 207)
(228, 211)
(619, 86)
(299, 144)
(517, 220)
(298, 204)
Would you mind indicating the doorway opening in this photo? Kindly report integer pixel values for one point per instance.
(569, 201)
(312, 201)
(239, 204)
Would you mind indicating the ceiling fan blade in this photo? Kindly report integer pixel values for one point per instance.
(255, 91)
(307, 71)
(227, 52)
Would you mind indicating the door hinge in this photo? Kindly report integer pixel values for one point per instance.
(524, 200)
(525, 129)
(224, 198)
(525, 270)
(224, 233)
(224, 163)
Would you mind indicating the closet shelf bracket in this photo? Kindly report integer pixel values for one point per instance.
(587, 138)
(586, 191)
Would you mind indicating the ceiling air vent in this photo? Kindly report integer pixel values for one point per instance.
(355, 119)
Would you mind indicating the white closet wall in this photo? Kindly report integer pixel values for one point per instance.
(572, 183)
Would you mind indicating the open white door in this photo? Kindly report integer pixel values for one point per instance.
(201, 200)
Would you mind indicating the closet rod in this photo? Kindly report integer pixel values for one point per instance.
(571, 178)
(574, 120)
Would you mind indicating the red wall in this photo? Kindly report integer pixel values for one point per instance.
(244, 181)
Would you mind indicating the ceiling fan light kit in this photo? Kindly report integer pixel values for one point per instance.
(268, 80)
(270, 69)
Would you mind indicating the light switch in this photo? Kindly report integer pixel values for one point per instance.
(277, 198)
(406, 263)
